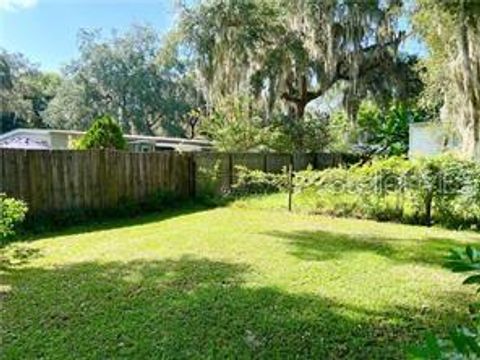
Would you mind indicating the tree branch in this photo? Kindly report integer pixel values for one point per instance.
(342, 71)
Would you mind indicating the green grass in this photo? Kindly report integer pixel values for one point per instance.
(233, 282)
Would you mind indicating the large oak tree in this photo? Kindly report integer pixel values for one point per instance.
(25, 92)
(289, 53)
(134, 77)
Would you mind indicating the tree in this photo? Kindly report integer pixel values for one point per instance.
(451, 30)
(25, 92)
(235, 126)
(308, 134)
(103, 134)
(192, 121)
(73, 107)
(131, 76)
(386, 131)
(292, 52)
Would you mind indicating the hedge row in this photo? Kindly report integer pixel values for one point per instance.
(442, 190)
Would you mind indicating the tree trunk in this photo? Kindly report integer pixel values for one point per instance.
(300, 109)
(469, 83)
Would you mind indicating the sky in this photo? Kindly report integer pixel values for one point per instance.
(46, 30)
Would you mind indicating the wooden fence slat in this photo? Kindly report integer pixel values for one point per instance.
(69, 174)
(93, 190)
(47, 186)
(63, 180)
(75, 179)
(10, 172)
(127, 190)
(23, 190)
(55, 185)
(87, 180)
(33, 166)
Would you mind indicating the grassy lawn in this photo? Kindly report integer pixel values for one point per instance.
(231, 282)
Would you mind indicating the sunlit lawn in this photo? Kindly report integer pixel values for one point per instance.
(231, 282)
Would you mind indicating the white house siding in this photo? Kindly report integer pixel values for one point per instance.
(430, 139)
(63, 140)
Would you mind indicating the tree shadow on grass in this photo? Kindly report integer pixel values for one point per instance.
(323, 245)
(108, 223)
(19, 256)
(190, 308)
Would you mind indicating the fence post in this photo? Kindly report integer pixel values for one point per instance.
(230, 172)
(290, 183)
(314, 162)
(192, 175)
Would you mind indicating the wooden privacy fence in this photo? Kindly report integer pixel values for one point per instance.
(53, 181)
(58, 180)
(218, 170)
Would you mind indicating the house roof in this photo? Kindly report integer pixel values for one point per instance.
(24, 142)
(24, 132)
(130, 138)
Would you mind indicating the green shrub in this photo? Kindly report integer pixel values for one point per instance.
(235, 125)
(386, 131)
(372, 191)
(103, 134)
(209, 180)
(442, 190)
(258, 182)
(12, 213)
(440, 184)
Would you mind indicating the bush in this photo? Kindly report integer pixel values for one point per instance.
(209, 180)
(442, 190)
(386, 131)
(103, 134)
(12, 213)
(235, 125)
(258, 182)
(308, 134)
(342, 133)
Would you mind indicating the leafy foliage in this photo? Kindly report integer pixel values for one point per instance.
(146, 86)
(342, 133)
(235, 126)
(463, 342)
(290, 53)
(25, 92)
(103, 134)
(467, 261)
(250, 182)
(451, 30)
(308, 134)
(12, 213)
(442, 190)
(377, 131)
